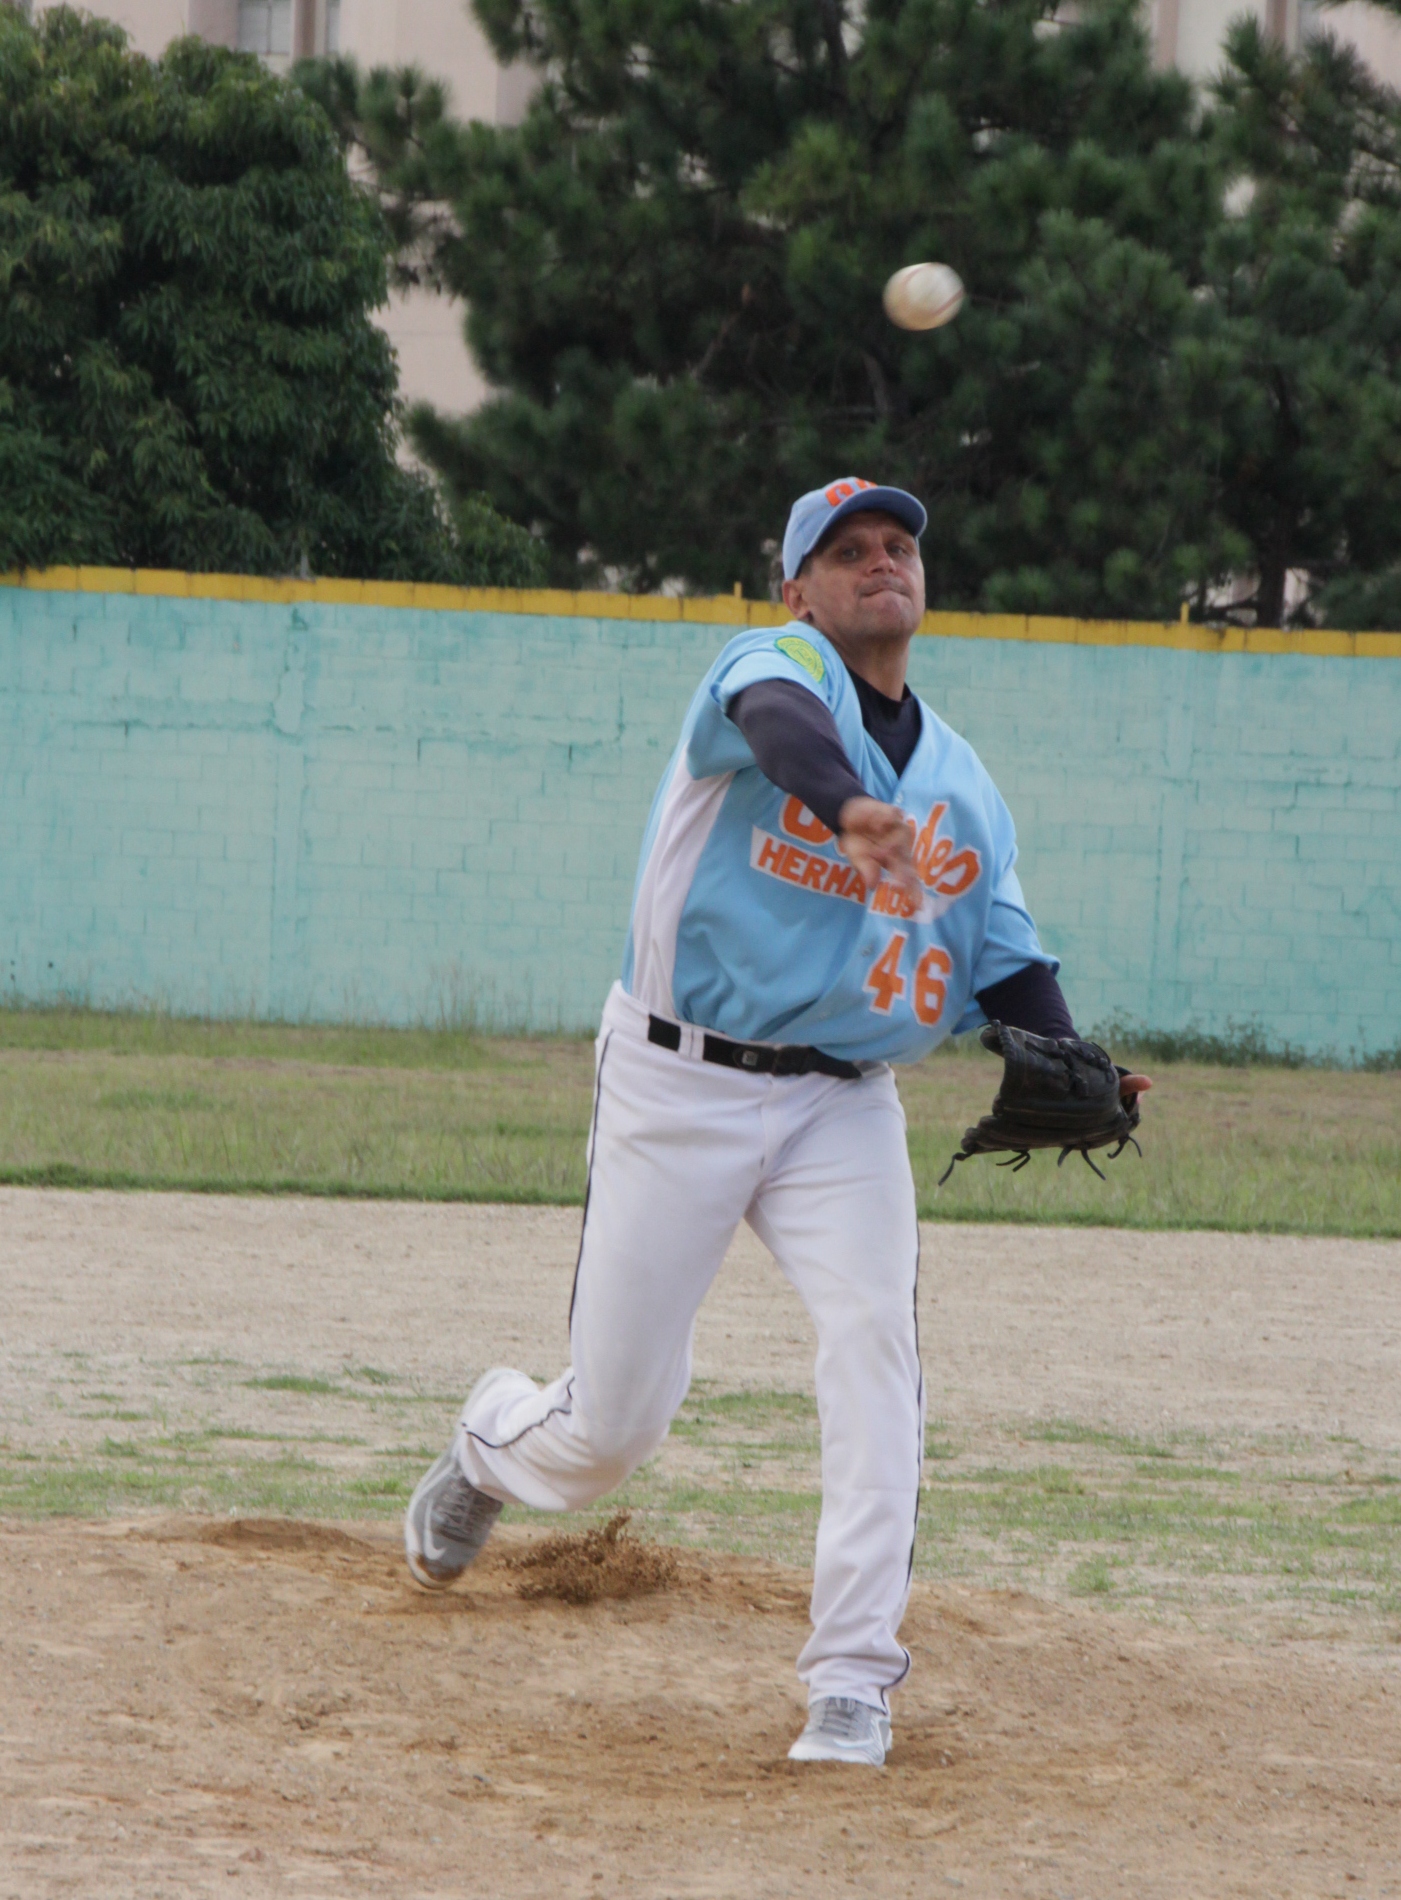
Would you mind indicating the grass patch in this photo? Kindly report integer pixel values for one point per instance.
(1184, 1524)
(1263, 1150)
(1069, 1431)
(173, 1101)
(1149, 1525)
(507, 1125)
(283, 1487)
(70, 1029)
(139, 1101)
(294, 1382)
(1090, 1578)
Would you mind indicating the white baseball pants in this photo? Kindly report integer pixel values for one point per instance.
(681, 1151)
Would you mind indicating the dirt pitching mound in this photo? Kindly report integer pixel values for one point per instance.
(208, 1709)
(590, 1565)
(281, 1534)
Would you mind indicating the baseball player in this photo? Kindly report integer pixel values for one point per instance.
(827, 886)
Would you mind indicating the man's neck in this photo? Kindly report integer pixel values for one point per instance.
(881, 663)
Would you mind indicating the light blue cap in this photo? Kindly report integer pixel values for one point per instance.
(814, 513)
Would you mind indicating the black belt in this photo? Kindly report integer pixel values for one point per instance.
(755, 1058)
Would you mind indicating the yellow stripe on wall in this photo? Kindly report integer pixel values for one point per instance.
(722, 610)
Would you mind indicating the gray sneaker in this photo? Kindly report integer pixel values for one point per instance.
(446, 1524)
(842, 1729)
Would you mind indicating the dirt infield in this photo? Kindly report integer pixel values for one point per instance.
(270, 1708)
(1134, 1329)
(195, 1704)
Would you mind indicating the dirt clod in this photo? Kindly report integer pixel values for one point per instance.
(587, 1565)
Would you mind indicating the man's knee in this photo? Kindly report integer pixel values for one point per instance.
(620, 1444)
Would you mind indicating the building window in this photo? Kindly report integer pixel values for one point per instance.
(265, 28)
(333, 26)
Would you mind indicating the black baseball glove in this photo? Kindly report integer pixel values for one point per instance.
(1056, 1093)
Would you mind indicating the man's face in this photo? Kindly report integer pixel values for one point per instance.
(867, 582)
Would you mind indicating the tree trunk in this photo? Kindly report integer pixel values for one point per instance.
(833, 20)
(1274, 575)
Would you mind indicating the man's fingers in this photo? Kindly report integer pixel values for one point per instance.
(874, 861)
(904, 874)
(868, 818)
(1134, 1084)
(876, 839)
(892, 853)
(899, 849)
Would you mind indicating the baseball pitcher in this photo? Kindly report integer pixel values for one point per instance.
(827, 886)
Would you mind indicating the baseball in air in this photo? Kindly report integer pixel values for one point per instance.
(922, 296)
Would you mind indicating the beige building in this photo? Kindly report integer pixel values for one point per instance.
(443, 38)
(1188, 33)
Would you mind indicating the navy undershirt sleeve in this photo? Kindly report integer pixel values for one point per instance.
(1030, 999)
(797, 747)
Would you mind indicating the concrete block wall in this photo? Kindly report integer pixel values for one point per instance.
(320, 800)
(1206, 838)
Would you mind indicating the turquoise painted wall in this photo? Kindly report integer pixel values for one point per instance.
(326, 811)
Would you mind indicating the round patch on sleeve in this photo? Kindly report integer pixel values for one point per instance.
(804, 653)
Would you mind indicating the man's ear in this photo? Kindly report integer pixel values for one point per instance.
(795, 602)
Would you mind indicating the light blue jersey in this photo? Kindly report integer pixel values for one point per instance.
(747, 920)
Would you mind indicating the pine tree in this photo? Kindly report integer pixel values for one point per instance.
(674, 270)
(1307, 278)
(1176, 377)
(189, 372)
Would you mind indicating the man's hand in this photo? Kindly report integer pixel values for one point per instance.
(1134, 1084)
(876, 838)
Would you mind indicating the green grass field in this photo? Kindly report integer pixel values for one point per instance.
(89, 1099)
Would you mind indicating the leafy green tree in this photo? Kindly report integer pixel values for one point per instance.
(1307, 279)
(189, 373)
(673, 269)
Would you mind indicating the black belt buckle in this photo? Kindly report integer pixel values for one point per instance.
(751, 1057)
